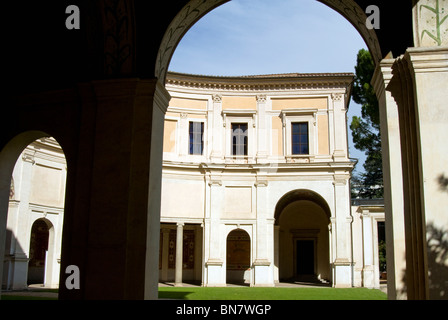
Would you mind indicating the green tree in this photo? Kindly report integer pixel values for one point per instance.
(366, 129)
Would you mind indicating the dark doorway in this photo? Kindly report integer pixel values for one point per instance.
(238, 257)
(38, 251)
(305, 258)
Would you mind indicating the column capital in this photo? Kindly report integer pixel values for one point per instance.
(340, 179)
(28, 157)
(261, 98)
(261, 183)
(217, 98)
(215, 183)
(336, 96)
(214, 262)
(262, 262)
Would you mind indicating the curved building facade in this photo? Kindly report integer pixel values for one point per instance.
(255, 189)
(255, 180)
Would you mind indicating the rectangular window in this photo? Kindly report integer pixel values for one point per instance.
(196, 137)
(239, 139)
(300, 143)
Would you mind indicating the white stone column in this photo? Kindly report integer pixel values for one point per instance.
(342, 275)
(215, 271)
(340, 121)
(418, 86)
(368, 273)
(262, 127)
(392, 180)
(21, 228)
(179, 254)
(262, 270)
(276, 253)
(429, 67)
(183, 136)
(217, 121)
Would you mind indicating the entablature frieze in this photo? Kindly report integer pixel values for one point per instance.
(275, 83)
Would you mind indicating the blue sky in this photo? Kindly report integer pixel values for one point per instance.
(244, 37)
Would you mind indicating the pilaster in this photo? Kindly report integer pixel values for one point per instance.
(368, 270)
(214, 265)
(262, 263)
(340, 152)
(217, 142)
(342, 263)
(20, 239)
(392, 180)
(262, 127)
(428, 67)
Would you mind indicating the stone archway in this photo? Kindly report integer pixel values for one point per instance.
(302, 218)
(8, 157)
(196, 9)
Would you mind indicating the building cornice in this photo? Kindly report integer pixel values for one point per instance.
(257, 83)
(263, 168)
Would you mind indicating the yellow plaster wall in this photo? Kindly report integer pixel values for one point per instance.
(188, 103)
(239, 103)
(277, 136)
(322, 124)
(299, 103)
(169, 137)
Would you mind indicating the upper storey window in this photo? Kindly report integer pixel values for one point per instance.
(300, 132)
(299, 138)
(196, 131)
(239, 139)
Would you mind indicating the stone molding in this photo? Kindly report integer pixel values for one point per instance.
(283, 82)
(428, 59)
(214, 262)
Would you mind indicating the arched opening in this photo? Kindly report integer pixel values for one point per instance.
(195, 10)
(39, 244)
(302, 217)
(306, 220)
(238, 263)
(32, 201)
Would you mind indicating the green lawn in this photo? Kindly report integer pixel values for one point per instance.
(246, 293)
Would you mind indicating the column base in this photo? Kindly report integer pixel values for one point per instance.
(342, 274)
(262, 275)
(214, 273)
(368, 278)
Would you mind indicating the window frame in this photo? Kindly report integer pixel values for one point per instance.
(191, 143)
(300, 116)
(240, 116)
(300, 134)
(245, 137)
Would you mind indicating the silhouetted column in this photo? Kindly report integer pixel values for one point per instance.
(112, 212)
